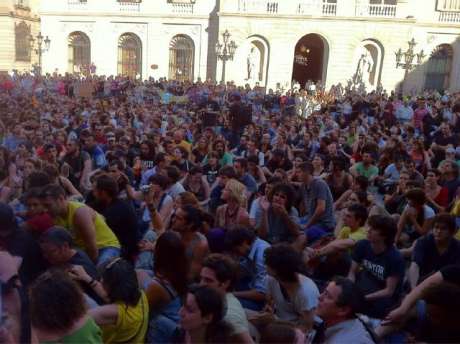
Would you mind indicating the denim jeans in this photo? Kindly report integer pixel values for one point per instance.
(106, 254)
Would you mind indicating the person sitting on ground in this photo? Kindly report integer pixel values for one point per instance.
(58, 312)
(37, 220)
(119, 215)
(417, 217)
(249, 251)
(435, 250)
(338, 306)
(188, 222)
(241, 169)
(125, 317)
(201, 317)
(167, 288)
(378, 267)
(196, 183)
(219, 272)
(233, 213)
(279, 218)
(291, 296)
(338, 249)
(59, 252)
(317, 204)
(91, 232)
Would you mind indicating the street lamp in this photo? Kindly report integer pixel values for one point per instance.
(43, 45)
(405, 60)
(225, 51)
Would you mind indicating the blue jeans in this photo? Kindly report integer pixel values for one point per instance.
(106, 254)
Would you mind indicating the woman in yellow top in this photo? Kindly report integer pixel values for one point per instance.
(125, 317)
(88, 228)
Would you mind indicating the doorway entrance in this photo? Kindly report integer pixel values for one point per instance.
(310, 60)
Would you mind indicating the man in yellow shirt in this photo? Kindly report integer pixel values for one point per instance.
(180, 142)
(88, 228)
(334, 257)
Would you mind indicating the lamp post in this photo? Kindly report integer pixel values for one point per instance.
(405, 60)
(225, 51)
(43, 45)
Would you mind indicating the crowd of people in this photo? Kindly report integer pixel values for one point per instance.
(175, 212)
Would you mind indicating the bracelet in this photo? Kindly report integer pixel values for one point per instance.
(92, 282)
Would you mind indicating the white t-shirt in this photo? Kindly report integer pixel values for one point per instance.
(305, 299)
(236, 315)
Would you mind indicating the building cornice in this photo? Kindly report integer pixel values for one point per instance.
(35, 19)
(130, 16)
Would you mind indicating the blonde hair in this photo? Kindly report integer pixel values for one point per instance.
(237, 191)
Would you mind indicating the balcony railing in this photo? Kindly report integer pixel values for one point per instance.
(76, 4)
(129, 6)
(449, 17)
(448, 5)
(371, 10)
(182, 8)
(297, 7)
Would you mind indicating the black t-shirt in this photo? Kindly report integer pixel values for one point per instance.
(442, 140)
(375, 269)
(427, 257)
(121, 218)
(451, 274)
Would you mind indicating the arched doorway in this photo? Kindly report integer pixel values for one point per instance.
(130, 55)
(439, 67)
(181, 58)
(79, 52)
(310, 59)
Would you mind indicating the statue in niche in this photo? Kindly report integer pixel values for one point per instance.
(252, 64)
(364, 69)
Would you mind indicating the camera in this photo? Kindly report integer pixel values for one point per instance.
(145, 188)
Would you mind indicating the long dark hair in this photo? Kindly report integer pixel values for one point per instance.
(120, 281)
(171, 261)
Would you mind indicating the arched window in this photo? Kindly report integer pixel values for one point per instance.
(22, 39)
(438, 68)
(130, 55)
(181, 58)
(79, 53)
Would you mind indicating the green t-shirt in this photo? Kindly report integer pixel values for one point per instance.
(369, 172)
(89, 333)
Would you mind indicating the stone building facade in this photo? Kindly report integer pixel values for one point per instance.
(278, 42)
(19, 20)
